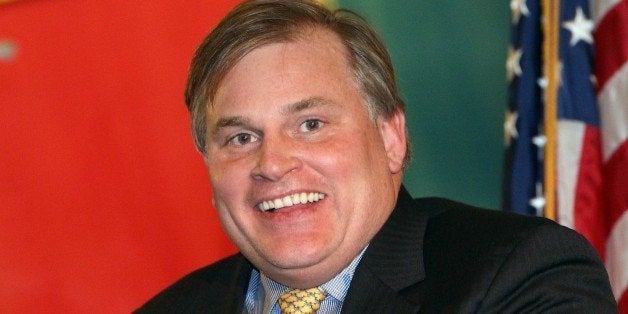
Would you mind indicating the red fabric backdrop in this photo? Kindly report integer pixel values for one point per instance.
(103, 199)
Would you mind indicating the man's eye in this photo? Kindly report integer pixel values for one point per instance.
(310, 125)
(242, 139)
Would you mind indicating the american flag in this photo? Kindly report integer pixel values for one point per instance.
(565, 130)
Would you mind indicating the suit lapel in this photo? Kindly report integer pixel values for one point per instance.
(392, 262)
(229, 296)
(368, 294)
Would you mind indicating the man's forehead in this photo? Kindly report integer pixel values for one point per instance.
(262, 64)
(316, 37)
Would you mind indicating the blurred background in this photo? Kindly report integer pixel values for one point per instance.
(450, 61)
(103, 199)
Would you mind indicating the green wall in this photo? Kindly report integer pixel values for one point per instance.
(449, 57)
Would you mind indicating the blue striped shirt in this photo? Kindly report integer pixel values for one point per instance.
(263, 292)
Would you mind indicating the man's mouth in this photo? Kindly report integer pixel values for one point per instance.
(290, 200)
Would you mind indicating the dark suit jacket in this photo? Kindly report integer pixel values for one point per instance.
(435, 255)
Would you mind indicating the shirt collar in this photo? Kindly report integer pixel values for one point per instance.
(337, 287)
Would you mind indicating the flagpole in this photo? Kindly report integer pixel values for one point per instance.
(551, 28)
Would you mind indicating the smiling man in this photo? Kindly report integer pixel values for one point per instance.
(297, 114)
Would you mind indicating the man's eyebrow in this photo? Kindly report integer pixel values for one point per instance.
(229, 122)
(298, 106)
(305, 104)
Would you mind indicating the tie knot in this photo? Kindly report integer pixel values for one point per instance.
(301, 301)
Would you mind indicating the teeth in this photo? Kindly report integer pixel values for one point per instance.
(290, 200)
(303, 197)
(278, 203)
(287, 201)
(296, 199)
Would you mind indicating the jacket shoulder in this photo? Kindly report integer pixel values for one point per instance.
(461, 239)
(486, 260)
(474, 226)
(205, 289)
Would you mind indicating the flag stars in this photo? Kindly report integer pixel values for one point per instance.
(580, 28)
(539, 141)
(542, 82)
(510, 127)
(513, 63)
(518, 8)
(593, 79)
(538, 202)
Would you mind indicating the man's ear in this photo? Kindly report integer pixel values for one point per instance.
(393, 133)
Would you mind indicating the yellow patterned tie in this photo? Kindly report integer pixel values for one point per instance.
(301, 301)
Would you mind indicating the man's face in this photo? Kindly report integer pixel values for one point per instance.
(302, 178)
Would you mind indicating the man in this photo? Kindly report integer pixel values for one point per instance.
(296, 112)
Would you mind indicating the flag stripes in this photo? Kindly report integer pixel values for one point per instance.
(611, 70)
(592, 123)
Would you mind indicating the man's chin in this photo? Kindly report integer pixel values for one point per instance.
(296, 250)
(295, 260)
(300, 274)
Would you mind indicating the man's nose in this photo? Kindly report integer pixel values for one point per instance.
(276, 158)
